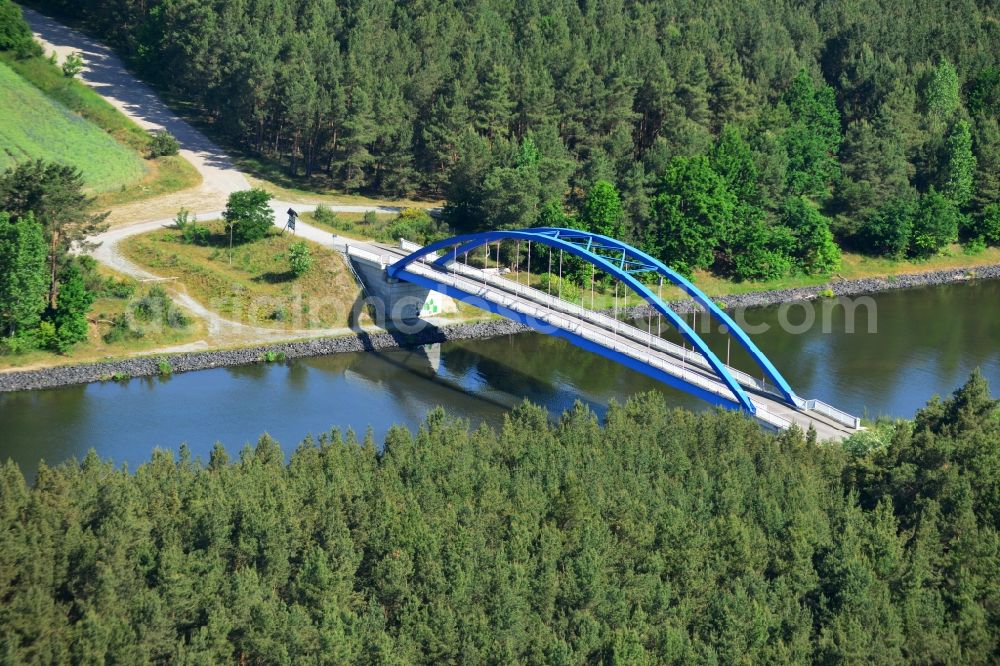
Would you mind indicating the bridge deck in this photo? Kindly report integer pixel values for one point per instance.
(601, 329)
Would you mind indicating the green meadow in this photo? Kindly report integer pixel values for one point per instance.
(34, 126)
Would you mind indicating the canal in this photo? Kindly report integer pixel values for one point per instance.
(925, 341)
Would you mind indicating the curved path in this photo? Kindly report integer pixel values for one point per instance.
(105, 72)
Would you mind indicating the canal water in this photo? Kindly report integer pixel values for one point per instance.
(905, 346)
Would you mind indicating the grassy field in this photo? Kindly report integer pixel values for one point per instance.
(34, 126)
(23, 134)
(257, 287)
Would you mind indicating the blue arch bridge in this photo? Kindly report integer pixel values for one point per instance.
(692, 367)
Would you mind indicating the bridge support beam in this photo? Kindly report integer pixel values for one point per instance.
(398, 299)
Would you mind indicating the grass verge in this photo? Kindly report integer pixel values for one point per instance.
(77, 97)
(256, 286)
(855, 267)
(164, 175)
(354, 225)
(300, 190)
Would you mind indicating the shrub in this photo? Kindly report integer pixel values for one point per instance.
(299, 258)
(163, 367)
(19, 343)
(974, 246)
(196, 234)
(156, 306)
(760, 251)
(324, 215)
(862, 443)
(564, 288)
(15, 35)
(47, 337)
(815, 249)
(887, 231)
(121, 329)
(162, 143)
(192, 233)
(416, 225)
(102, 286)
(119, 288)
(72, 65)
(150, 306)
(248, 216)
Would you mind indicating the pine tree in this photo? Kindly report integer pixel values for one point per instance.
(358, 133)
(813, 138)
(493, 104)
(987, 159)
(732, 159)
(54, 193)
(875, 166)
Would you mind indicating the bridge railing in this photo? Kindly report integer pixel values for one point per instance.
(836, 414)
(620, 327)
(636, 349)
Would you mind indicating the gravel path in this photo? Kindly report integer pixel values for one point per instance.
(106, 73)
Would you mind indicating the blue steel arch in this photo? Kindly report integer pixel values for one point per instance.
(552, 238)
(635, 260)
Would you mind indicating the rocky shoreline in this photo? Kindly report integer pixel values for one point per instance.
(145, 366)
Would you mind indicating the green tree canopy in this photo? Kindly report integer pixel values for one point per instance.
(935, 224)
(692, 213)
(653, 535)
(959, 165)
(732, 159)
(818, 254)
(602, 211)
(248, 216)
(24, 281)
(54, 194)
(813, 138)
